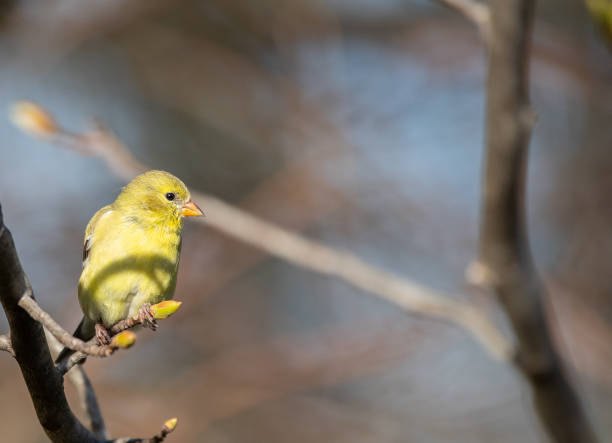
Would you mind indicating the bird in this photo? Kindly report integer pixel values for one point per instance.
(131, 254)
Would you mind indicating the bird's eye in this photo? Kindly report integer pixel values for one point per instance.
(170, 196)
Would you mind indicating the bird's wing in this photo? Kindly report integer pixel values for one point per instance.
(91, 226)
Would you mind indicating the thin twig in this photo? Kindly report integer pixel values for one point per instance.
(166, 430)
(89, 348)
(504, 248)
(78, 357)
(127, 323)
(5, 344)
(73, 360)
(299, 250)
(63, 336)
(476, 12)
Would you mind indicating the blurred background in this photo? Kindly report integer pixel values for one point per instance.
(358, 123)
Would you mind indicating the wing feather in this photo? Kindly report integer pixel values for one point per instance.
(89, 231)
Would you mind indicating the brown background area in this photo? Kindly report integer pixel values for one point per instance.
(356, 123)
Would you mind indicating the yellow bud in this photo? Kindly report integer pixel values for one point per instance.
(123, 340)
(32, 119)
(165, 309)
(169, 425)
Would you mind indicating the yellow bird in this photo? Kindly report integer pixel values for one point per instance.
(131, 254)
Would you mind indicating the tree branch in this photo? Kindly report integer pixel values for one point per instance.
(277, 241)
(74, 360)
(88, 401)
(64, 337)
(476, 12)
(84, 349)
(5, 344)
(504, 249)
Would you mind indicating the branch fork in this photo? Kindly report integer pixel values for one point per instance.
(121, 337)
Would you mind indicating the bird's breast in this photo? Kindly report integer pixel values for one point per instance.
(124, 271)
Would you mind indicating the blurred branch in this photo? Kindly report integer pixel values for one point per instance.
(277, 241)
(5, 344)
(63, 24)
(504, 250)
(476, 12)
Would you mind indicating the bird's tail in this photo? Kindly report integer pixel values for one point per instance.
(85, 331)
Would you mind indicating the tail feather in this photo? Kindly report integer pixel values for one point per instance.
(84, 331)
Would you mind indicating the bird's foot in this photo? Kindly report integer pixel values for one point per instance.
(102, 335)
(146, 318)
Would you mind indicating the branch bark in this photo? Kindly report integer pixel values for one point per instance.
(89, 348)
(504, 248)
(28, 303)
(6, 345)
(476, 12)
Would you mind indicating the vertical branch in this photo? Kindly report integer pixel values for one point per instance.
(504, 248)
(476, 12)
(88, 401)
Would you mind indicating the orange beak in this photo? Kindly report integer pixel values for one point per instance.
(190, 209)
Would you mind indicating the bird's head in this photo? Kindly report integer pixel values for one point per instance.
(157, 195)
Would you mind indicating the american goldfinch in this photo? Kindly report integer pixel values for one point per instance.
(131, 254)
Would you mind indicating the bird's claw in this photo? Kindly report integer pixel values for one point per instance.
(146, 318)
(102, 335)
